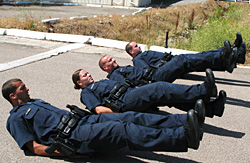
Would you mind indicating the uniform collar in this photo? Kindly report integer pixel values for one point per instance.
(19, 106)
(109, 74)
(137, 56)
(90, 86)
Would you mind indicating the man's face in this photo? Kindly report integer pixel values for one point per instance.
(109, 63)
(85, 79)
(136, 49)
(22, 92)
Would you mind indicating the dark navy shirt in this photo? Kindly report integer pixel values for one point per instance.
(34, 121)
(147, 58)
(133, 74)
(96, 93)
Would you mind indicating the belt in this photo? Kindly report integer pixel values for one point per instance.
(67, 124)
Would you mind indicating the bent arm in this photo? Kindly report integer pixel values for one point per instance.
(103, 109)
(39, 149)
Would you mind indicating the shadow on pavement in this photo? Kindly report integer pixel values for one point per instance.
(231, 101)
(238, 102)
(218, 130)
(222, 132)
(125, 155)
(218, 80)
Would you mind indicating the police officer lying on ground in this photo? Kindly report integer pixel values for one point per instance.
(35, 125)
(168, 68)
(139, 76)
(107, 96)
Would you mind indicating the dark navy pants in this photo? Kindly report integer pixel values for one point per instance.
(137, 131)
(185, 63)
(162, 94)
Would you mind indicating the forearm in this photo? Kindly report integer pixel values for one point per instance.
(103, 109)
(39, 149)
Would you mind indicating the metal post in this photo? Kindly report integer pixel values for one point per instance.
(166, 43)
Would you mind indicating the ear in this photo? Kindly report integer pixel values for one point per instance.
(12, 96)
(104, 67)
(79, 83)
(131, 52)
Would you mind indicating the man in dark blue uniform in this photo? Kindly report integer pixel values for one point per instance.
(169, 68)
(107, 96)
(139, 76)
(35, 125)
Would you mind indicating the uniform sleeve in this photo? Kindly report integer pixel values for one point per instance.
(134, 74)
(118, 76)
(90, 100)
(148, 58)
(139, 72)
(20, 132)
(140, 63)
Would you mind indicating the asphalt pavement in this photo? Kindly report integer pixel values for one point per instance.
(64, 12)
(226, 139)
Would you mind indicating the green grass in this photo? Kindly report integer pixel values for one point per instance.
(223, 25)
(195, 27)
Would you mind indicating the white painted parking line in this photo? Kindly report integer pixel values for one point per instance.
(34, 58)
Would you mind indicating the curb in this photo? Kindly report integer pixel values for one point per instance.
(168, 50)
(248, 67)
(46, 36)
(2, 31)
(68, 38)
(47, 3)
(29, 3)
(86, 40)
(141, 10)
(23, 3)
(92, 5)
(26, 33)
(113, 43)
(78, 17)
(70, 4)
(53, 20)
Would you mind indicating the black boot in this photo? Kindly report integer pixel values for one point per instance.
(191, 130)
(199, 109)
(233, 57)
(229, 55)
(238, 40)
(241, 48)
(210, 83)
(219, 104)
(225, 53)
(242, 53)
